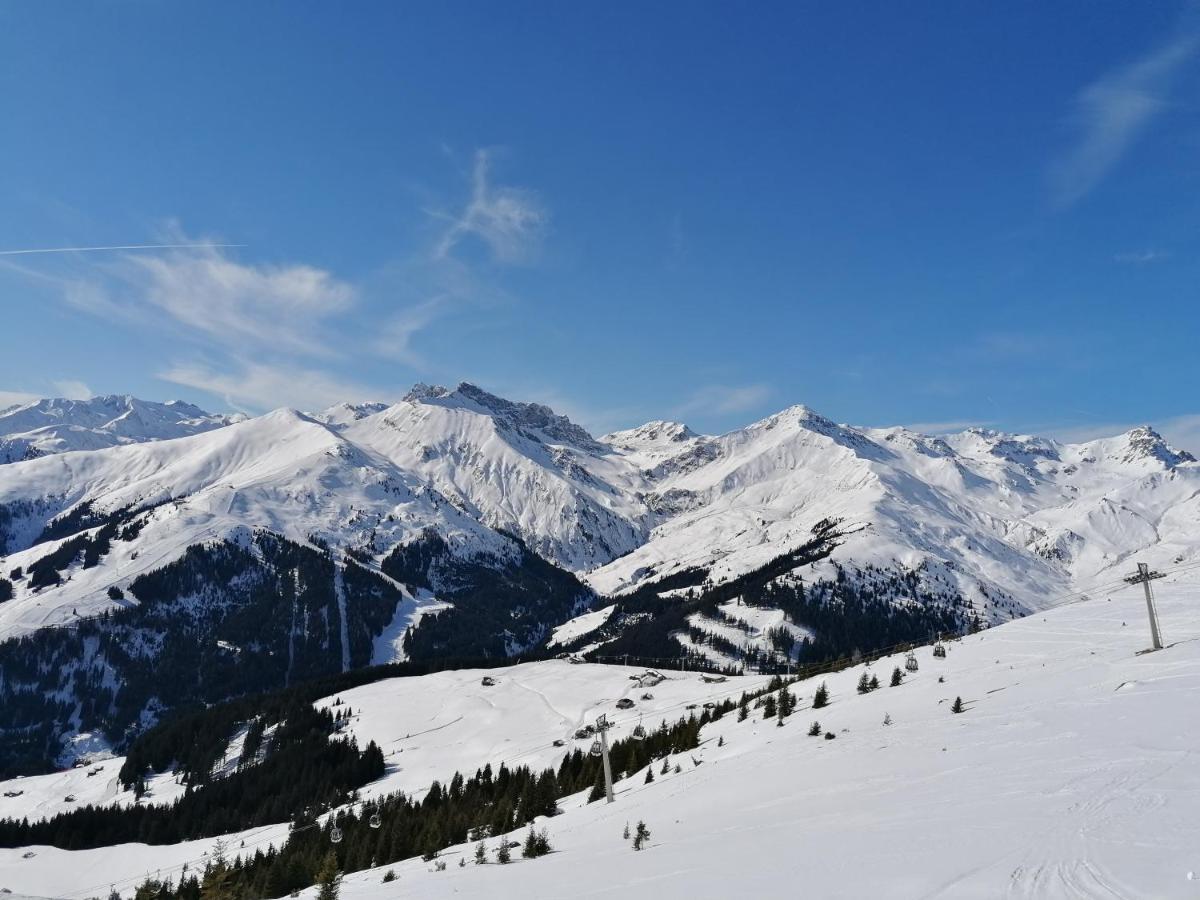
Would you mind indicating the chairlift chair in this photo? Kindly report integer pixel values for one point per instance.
(335, 835)
(375, 821)
(596, 751)
(939, 650)
(639, 733)
(910, 662)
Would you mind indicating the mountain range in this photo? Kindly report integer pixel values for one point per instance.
(456, 523)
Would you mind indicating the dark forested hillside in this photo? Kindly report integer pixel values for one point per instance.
(225, 619)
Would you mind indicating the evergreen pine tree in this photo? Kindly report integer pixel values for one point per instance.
(958, 705)
(666, 766)
(502, 852)
(897, 677)
(625, 833)
(821, 697)
(641, 836)
(864, 684)
(815, 730)
(480, 853)
(649, 775)
(770, 707)
(874, 683)
(329, 879)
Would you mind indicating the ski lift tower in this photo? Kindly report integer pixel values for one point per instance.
(1143, 577)
(600, 748)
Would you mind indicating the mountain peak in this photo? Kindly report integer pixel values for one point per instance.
(656, 432)
(541, 420)
(1143, 442)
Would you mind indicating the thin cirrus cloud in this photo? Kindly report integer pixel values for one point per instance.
(280, 334)
(724, 400)
(250, 386)
(1111, 113)
(1141, 257)
(510, 221)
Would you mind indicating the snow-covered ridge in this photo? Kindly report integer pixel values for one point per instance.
(57, 425)
(1003, 515)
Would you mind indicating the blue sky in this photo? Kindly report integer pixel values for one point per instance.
(935, 214)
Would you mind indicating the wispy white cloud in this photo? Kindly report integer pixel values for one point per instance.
(395, 339)
(1141, 257)
(252, 387)
(73, 389)
(1110, 114)
(510, 221)
(10, 399)
(232, 304)
(722, 399)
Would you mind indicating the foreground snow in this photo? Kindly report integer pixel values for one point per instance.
(1071, 774)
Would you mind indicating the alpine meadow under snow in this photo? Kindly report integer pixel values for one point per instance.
(190, 604)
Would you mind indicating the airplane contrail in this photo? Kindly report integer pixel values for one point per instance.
(122, 247)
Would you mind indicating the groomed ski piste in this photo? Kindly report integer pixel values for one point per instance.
(1073, 771)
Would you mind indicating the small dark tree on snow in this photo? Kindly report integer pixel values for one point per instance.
(537, 843)
(958, 705)
(743, 713)
(815, 730)
(666, 766)
(821, 697)
(874, 684)
(480, 853)
(503, 855)
(770, 707)
(625, 833)
(115, 593)
(830, 736)
(864, 684)
(897, 677)
(649, 776)
(389, 876)
(641, 836)
(721, 741)
(598, 791)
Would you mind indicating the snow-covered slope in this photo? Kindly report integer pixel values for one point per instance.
(53, 426)
(1072, 741)
(1000, 514)
(283, 472)
(1070, 744)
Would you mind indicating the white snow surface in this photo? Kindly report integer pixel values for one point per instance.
(581, 625)
(1072, 773)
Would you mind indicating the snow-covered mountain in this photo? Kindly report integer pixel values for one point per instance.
(53, 426)
(508, 520)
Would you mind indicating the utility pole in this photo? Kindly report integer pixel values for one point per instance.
(602, 727)
(1143, 577)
